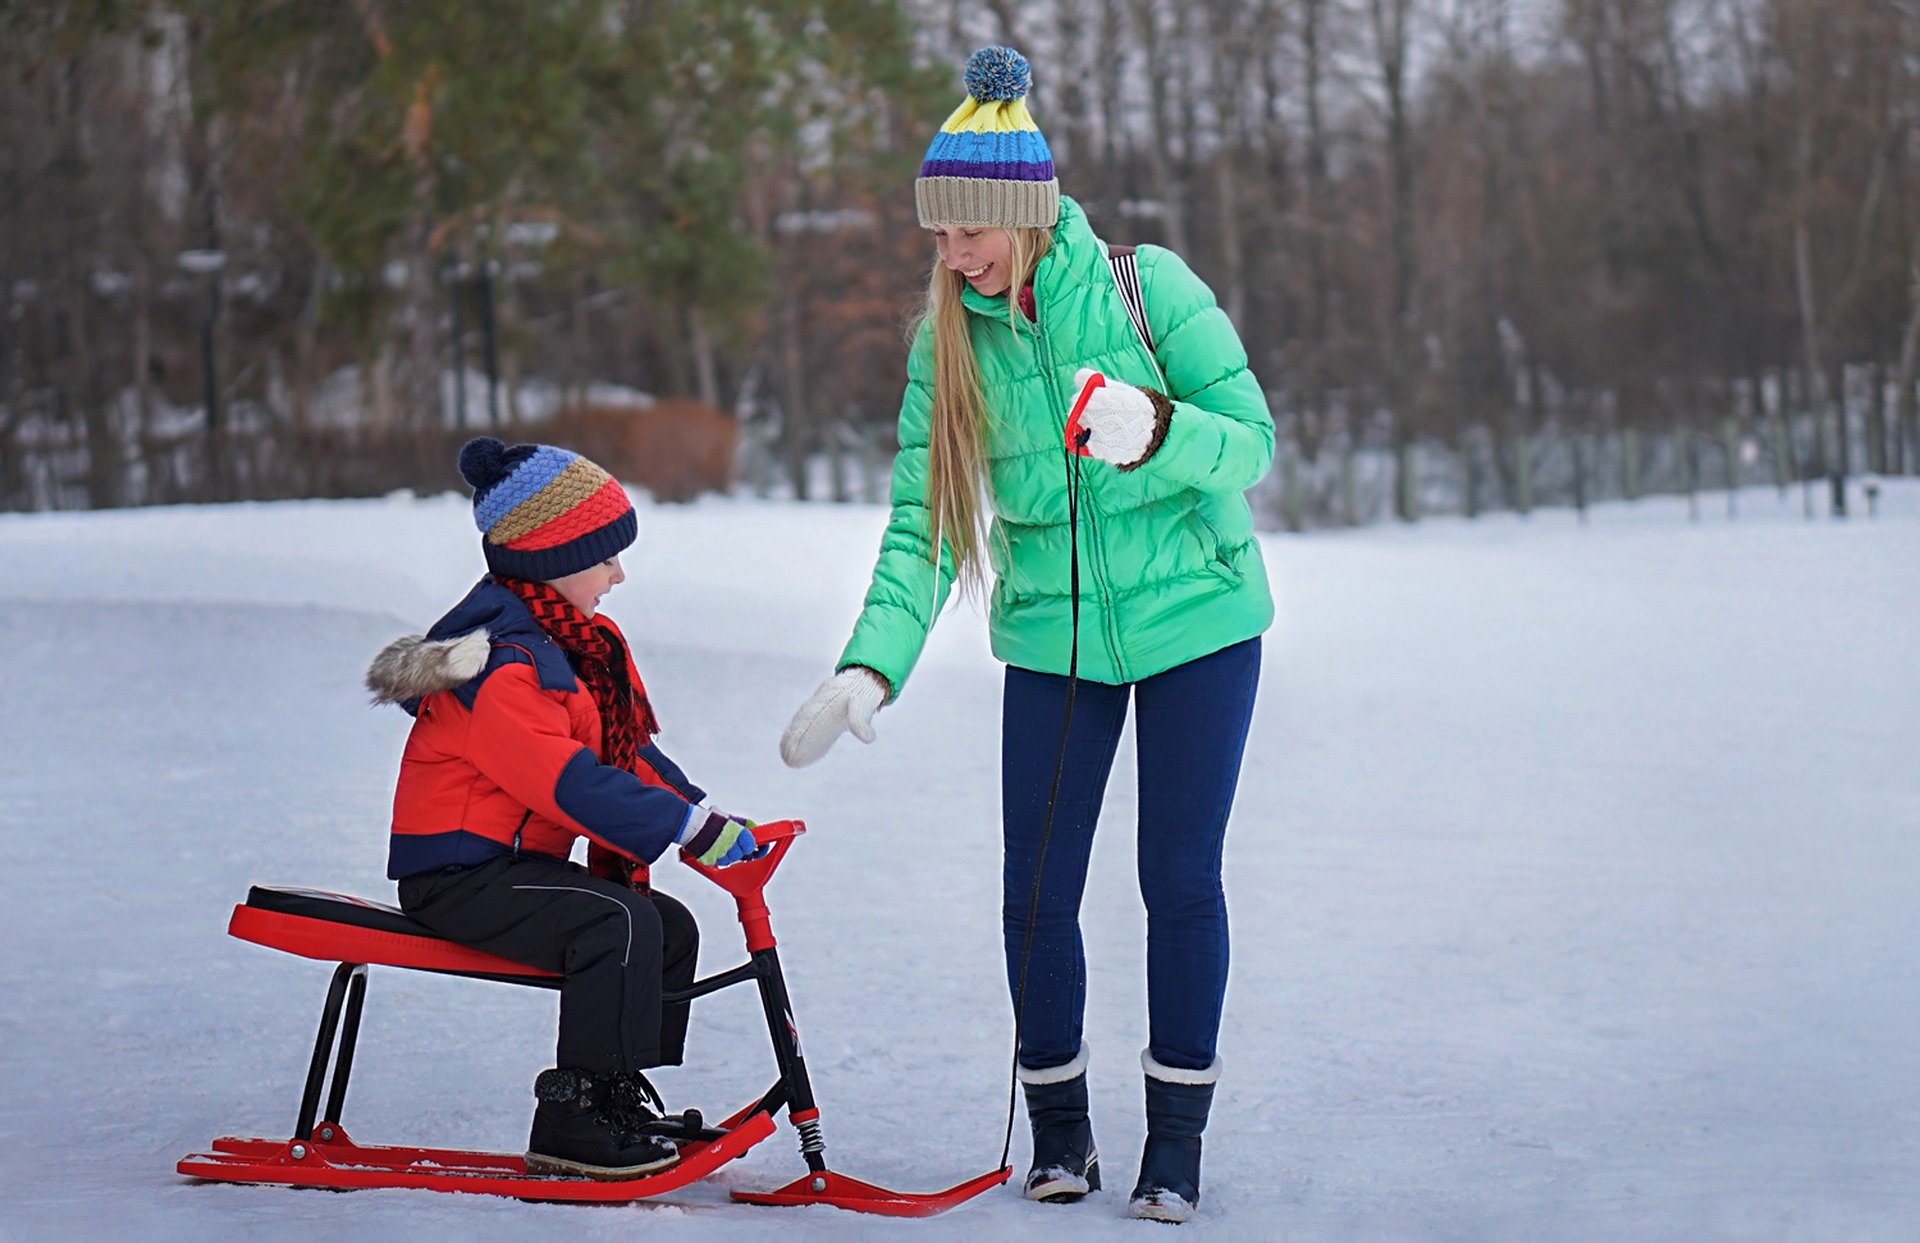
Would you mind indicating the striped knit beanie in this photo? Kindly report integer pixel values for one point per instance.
(989, 165)
(544, 512)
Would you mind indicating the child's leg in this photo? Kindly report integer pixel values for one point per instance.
(605, 938)
(681, 945)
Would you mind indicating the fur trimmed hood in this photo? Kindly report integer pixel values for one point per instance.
(414, 666)
(489, 626)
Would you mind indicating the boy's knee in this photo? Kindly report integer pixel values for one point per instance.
(627, 929)
(678, 928)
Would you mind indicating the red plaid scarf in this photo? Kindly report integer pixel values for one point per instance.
(627, 722)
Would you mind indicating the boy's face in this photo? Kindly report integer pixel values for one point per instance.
(584, 589)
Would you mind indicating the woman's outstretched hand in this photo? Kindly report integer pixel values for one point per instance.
(1124, 424)
(844, 703)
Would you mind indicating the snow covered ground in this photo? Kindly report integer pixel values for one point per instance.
(1573, 880)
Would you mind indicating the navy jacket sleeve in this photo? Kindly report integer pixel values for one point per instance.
(653, 757)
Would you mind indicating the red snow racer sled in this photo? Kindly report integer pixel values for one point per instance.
(357, 934)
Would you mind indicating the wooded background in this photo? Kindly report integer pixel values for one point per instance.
(1483, 253)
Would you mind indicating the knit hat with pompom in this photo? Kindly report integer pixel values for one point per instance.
(544, 512)
(989, 166)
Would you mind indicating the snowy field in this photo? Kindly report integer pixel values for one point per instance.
(1573, 881)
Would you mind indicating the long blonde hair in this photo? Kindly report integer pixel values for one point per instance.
(957, 438)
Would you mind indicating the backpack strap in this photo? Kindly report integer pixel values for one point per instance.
(1126, 278)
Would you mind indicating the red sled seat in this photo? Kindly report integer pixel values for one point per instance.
(335, 927)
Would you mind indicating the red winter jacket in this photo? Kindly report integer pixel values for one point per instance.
(504, 753)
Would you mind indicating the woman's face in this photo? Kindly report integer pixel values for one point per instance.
(983, 256)
(585, 588)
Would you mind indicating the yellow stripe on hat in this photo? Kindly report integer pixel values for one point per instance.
(997, 117)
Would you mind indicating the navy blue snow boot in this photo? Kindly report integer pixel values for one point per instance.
(1178, 1102)
(1066, 1166)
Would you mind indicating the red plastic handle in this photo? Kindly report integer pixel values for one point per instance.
(749, 876)
(1077, 435)
(747, 879)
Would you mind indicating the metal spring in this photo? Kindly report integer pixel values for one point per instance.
(811, 1140)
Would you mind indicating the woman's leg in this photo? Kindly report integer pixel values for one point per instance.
(1055, 999)
(1190, 725)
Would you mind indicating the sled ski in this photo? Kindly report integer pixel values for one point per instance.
(356, 934)
(332, 1159)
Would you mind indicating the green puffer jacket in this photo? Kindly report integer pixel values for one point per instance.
(1169, 568)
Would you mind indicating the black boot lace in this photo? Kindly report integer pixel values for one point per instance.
(631, 1103)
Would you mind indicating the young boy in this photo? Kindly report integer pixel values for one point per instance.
(532, 729)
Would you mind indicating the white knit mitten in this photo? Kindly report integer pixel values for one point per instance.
(1124, 423)
(844, 703)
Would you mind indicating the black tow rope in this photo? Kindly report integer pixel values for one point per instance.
(1053, 796)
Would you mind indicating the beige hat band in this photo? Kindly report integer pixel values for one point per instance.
(985, 202)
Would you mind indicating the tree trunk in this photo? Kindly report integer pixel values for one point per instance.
(1877, 438)
(1906, 407)
(1350, 477)
(1389, 21)
(1469, 473)
(1292, 506)
(142, 365)
(796, 424)
(425, 408)
(1689, 459)
(706, 374)
(1832, 436)
(1730, 438)
(1232, 260)
(1166, 183)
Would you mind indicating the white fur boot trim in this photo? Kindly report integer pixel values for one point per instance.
(1177, 1074)
(1161, 1205)
(1057, 1074)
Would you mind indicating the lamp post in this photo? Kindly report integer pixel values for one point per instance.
(208, 265)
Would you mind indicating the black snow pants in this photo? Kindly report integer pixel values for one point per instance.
(618, 949)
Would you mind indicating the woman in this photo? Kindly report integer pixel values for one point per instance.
(1172, 599)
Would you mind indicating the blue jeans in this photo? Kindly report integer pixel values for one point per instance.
(1190, 727)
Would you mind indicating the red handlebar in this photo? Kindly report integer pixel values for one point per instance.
(1077, 434)
(747, 879)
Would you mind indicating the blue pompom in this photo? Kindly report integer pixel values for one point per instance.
(483, 462)
(997, 73)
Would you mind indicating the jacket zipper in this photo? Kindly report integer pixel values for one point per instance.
(1096, 561)
(524, 817)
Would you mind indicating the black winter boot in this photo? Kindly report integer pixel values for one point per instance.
(585, 1125)
(1178, 1102)
(1066, 1166)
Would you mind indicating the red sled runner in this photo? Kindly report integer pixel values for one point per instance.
(356, 934)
